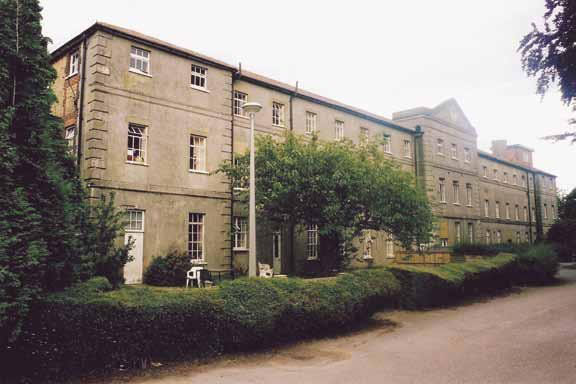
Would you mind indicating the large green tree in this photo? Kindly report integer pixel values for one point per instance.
(338, 186)
(563, 231)
(549, 55)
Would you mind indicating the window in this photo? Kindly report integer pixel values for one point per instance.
(196, 236)
(553, 212)
(469, 194)
(456, 188)
(387, 143)
(134, 220)
(523, 181)
(518, 238)
(276, 244)
(467, 155)
(441, 190)
(74, 63)
(495, 174)
(364, 134)
(516, 212)
(525, 214)
(69, 136)
(197, 153)
(454, 151)
(471, 233)
(458, 231)
(140, 60)
(407, 148)
(240, 99)
(497, 209)
(514, 179)
(440, 147)
(278, 114)
(498, 236)
(367, 245)
(533, 214)
(198, 76)
(338, 130)
(505, 179)
(443, 242)
(546, 211)
(311, 120)
(485, 171)
(240, 233)
(486, 208)
(312, 241)
(488, 237)
(136, 144)
(508, 210)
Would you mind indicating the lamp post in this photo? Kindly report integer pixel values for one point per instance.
(252, 109)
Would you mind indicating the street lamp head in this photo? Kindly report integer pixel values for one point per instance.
(252, 107)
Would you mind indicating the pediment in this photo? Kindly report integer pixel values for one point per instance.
(451, 112)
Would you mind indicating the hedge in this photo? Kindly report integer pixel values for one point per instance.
(91, 328)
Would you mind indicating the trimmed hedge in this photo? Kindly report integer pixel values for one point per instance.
(537, 265)
(90, 328)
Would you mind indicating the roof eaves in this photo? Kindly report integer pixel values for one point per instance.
(512, 164)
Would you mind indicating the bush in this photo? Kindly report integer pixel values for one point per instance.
(169, 270)
(481, 249)
(537, 265)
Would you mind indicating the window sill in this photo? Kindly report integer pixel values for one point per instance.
(241, 189)
(388, 152)
(311, 259)
(240, 249)
(71, 75)
(279, 126)
(366, 257)
(137, 163)
(199, 89)
(198, 262)
(469, 205)
(458, 204)
(443, 202)
(199, 172)
(132, 70)
(407, 157)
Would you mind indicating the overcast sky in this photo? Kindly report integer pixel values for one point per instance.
(383, 56)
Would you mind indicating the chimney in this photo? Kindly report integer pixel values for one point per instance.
(499, 147)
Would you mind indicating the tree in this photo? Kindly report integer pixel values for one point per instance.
(549, 54)
(563, 231)
(342, 188)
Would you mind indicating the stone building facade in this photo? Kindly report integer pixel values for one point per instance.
(151, 122)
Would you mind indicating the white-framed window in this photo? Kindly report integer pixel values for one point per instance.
(70, 135)
(140, 60)
(495, 174)
(196, 235)
(498, 236)
(198, 76)
(240, 233)
(240, 98)
(546, 211)
(486, 208)
(454, 151)
(505, 179)
(471, 232)
(338, 130)
(485, 172)
(469, 194)
(277, 114)
(514, 179)
(134, 220)
(516, 212)
(276, 244)
(525, 214)
(458, 230)
(507, 210)
(533, 214)
(440, 147)
(441, 190)
(497, 209)
(523, 181)
(387, 143)
(407, 148)
(443, 242)
(467, 155)
(367, 254)
(456, 189)
(136, 144)
(74, 64)
(364, 134)
(312, 242)
(197, 153)
(488, 237)
(553, 212)
(311, 122)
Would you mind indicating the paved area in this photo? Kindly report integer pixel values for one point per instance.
(524, 337)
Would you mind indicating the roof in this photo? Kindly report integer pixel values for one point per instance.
(490, 156)
(244, 75)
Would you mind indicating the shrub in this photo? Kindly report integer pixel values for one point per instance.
(169, 270)
(481, 249)
(537, 265)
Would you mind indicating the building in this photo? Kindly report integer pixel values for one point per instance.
(150, 122)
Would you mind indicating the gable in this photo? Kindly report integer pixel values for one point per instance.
(451, 112)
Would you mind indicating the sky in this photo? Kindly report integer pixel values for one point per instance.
(382, 56)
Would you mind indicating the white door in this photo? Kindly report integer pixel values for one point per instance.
(134, 230)
(277, 252)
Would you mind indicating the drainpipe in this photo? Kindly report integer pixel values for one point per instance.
(80, 117)
(529, 209)
(538, 210)
(234, 76)
(417, 145)
(291, 225)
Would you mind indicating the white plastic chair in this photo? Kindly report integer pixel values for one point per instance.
(265, 270)
(194, 274)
